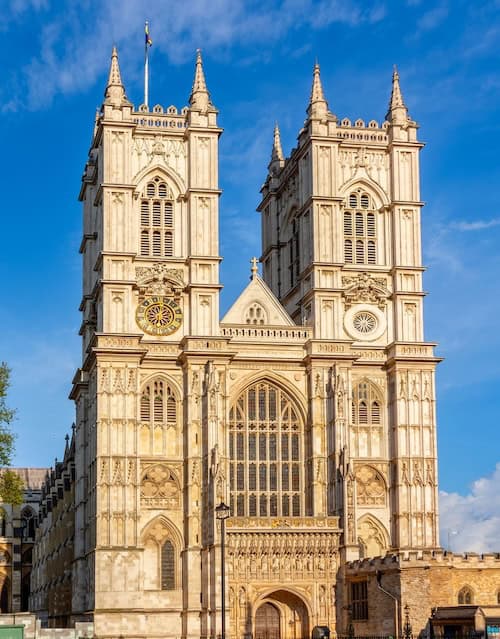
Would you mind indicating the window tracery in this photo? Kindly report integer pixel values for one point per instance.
(265, 442)
(161, 555)
(365, 404)
(360, 230)
(158, 403)
(367, 418)
(157, 220)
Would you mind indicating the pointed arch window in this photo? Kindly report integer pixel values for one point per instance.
(465, 596)
(366, 405)
(28, 523)
(294, 246)
(360, 230)
(157, 220)
(265, 449)
(168, 566)
(158, 403)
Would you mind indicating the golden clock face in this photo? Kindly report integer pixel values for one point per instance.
(159, 315)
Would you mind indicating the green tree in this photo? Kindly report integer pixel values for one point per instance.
(11, 485)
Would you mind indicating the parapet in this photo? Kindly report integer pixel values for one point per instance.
(425, 558)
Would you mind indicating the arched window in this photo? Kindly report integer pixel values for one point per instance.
(255, 314)
(265, 449)
(158, 403)
(294, 246)
(498, 597)
(465, 596)
(157, 220)
(360, 230)
(28, 523)
(365, 404)
(168, 566)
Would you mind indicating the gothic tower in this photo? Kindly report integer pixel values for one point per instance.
(341, 250)
(150, 278)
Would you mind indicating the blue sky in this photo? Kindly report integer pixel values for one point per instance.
(258, 60)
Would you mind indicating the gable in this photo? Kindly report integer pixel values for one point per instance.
(257, 306)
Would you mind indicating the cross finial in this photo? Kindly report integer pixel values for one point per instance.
(254, 269)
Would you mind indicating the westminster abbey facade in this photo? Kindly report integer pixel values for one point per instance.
(309, 408)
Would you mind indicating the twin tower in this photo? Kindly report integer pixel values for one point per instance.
(309, 408)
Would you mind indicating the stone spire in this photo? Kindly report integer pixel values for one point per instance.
(277, 158)
(397, 113)
(115, 91)
(199, 98)
(318, 106)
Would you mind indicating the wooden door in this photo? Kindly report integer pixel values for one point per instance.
(267, 622)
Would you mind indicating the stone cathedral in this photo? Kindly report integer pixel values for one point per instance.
(309, 408)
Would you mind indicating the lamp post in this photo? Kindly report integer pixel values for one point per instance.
(222, 512)
(407, 629)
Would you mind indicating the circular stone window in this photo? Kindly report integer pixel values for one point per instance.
(364, 322)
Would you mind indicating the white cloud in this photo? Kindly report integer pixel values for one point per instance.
(74, 47)
(475, 518)
(432, 18)
(476, 226)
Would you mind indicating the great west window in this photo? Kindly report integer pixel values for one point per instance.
(265, 449)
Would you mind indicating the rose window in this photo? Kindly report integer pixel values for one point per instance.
(364, 322)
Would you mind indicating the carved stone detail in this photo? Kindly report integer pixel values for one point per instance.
(370, 487)
(159, 280)
(365, 289)
(159, 488)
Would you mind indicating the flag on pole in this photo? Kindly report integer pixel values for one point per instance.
(148, 42)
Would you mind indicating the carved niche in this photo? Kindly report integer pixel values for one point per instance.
(159, 488)
(365, 289)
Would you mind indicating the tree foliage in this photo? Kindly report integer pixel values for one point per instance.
(11, 485)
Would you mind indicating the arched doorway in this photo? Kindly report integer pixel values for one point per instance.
(281, 615)
(267, 622)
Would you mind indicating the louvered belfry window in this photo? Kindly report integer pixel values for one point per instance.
(360, 230)
(365, 405)
(157, 220)
(158, 403)
(265, 449)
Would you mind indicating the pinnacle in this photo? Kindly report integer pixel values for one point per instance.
(318, 106)
(397, 108)
(200, 97)
(114, 70)
(277, 153)
(115, 91)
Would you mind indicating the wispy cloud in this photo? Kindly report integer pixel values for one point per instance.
(475, 226)
(432, 18)
(17, 7)
(473, 520)
(80, 37)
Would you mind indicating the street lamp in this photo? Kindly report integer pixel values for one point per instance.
(407, 629)
(222, 512)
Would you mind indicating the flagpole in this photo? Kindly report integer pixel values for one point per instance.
(146, 69)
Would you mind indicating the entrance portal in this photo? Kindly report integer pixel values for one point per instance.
(281, 615)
